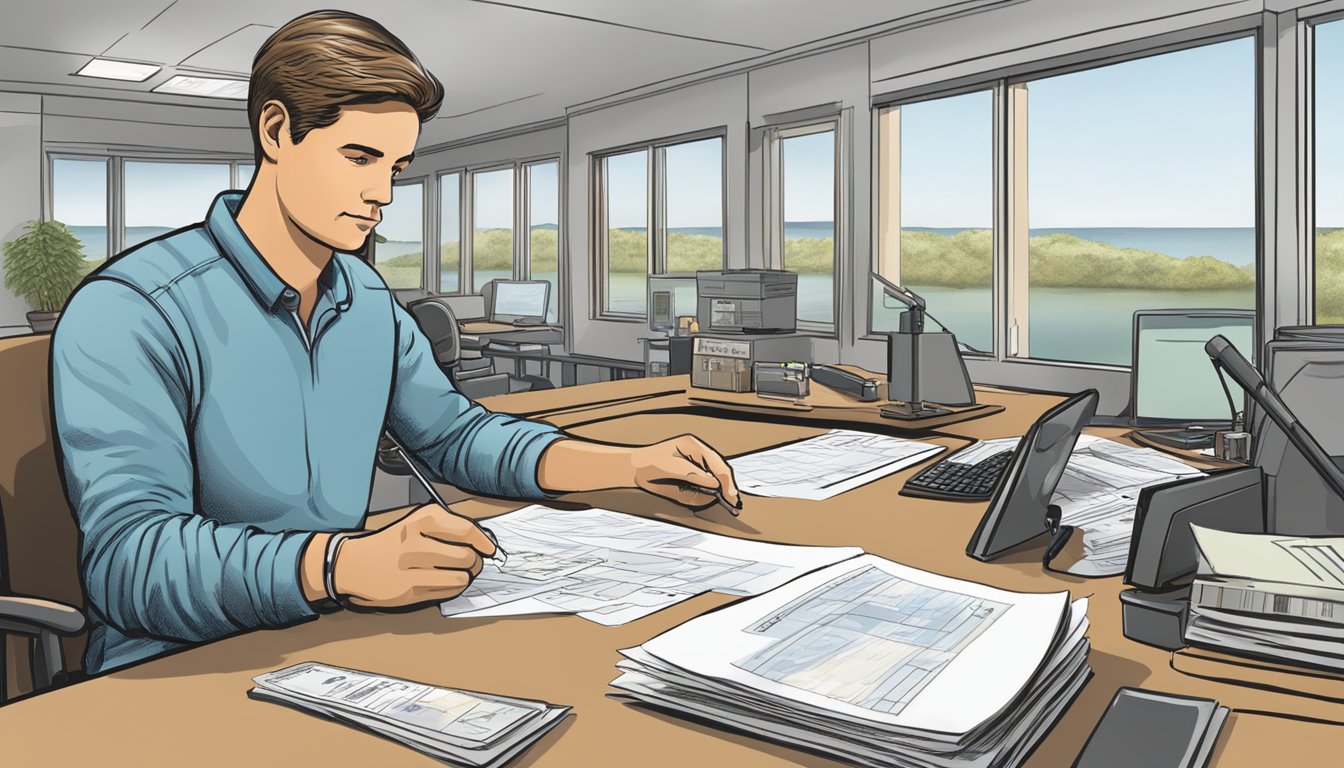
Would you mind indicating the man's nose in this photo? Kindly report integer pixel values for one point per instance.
(380, 194)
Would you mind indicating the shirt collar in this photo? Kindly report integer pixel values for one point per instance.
(270, 291)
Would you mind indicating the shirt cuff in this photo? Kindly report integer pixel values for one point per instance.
(288, 603)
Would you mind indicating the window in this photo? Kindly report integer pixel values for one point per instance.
(937, 213)
(450, 232)
(804, 218)
(399, 255)
(1328, 47)
(625, 209)
(1132, 186)
(79, 201)
(661, 212)
(243, 175)
(694, 205)
(492, 227)
(160, 196)
(543, 226)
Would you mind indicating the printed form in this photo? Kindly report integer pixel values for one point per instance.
(827, 465)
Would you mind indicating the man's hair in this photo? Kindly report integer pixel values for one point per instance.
(325, 60)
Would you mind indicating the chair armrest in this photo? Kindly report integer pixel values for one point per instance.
(40, 615)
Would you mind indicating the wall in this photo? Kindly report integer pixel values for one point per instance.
(20, 198)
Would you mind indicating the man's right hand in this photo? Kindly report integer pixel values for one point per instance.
(430, 555)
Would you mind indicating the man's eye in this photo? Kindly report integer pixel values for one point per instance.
(361, 160)
(397, 171)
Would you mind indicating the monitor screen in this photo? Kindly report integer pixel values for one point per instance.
(1173, 378)
(520, 298)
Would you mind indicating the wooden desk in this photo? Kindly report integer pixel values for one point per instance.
(191, 708)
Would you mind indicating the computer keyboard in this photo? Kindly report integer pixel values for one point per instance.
(949, 479)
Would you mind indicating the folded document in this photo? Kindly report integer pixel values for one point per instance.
(462, 727)
(876, 663)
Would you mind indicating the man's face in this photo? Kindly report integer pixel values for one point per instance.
(333, 184)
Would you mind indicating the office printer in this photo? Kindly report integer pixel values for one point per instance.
(747, 300)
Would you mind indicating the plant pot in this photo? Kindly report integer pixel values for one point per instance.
(43, 322)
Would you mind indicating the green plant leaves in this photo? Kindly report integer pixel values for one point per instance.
(44, 264)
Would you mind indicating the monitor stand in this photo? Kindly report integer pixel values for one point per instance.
(911, 411)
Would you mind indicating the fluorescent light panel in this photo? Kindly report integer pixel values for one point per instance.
(118, 70)
(214, 87)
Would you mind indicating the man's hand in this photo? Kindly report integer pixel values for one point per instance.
(682, 469)
(686, 471)
(429, 555)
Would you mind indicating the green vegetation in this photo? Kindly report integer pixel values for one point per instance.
(1330, 276)
(44, 264)
(1063, 261)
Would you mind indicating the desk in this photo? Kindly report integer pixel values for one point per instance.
(191, 707)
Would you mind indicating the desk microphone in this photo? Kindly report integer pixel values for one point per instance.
(1225, 355)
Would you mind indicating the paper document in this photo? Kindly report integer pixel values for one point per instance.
(459, 726)
(827, 465)
(1275, 596)
(984, 450)
(1098, 494)
(876, 663)
(612, 568)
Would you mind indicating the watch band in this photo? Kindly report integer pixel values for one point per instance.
(329, 568)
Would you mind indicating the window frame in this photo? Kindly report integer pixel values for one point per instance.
(1307, 155)
(773, 138)
(116, 160)
(655, 190)
(1008, 274)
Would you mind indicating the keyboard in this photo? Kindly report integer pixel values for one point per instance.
(948, 479)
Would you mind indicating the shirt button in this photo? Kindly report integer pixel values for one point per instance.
(289, 298)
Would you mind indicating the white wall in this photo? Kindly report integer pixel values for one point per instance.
(20, 194)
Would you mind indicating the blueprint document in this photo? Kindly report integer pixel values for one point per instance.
(876, 662)
(612, 568)
(827, 465)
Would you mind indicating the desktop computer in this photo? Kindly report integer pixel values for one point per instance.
(519, 302)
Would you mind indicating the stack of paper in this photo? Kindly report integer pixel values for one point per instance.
(1274, 596)
(876, 663)
(612, 568)
(461, 727)
(827, 465)
(1099, 494)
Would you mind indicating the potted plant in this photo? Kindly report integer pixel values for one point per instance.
(42, 267)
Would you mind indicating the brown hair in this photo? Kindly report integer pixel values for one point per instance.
(322, 61)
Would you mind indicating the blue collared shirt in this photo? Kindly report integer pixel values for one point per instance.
(205, 434)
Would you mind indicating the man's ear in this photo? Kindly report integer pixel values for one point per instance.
(272, 123)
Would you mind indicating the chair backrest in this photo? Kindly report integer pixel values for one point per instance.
(39, 539)
(439, 324)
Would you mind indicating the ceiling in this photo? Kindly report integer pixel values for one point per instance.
(502, 62)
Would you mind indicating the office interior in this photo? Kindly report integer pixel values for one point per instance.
(578, 137)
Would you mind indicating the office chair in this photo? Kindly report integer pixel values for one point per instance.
(41, 599)
(475, 378)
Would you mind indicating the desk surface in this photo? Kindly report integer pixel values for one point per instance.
(192, 708)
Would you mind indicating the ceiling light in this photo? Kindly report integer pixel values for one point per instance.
(119, 70)
(214, 87)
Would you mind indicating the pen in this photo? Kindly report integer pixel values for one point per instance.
(718, 497)
(500, 557)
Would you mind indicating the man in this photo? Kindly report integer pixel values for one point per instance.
(219, 392)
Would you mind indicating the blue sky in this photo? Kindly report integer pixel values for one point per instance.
(1330, 112)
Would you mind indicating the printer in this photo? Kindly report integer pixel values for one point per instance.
(747, 300)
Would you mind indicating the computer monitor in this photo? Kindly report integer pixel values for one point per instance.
(518, 301)
(1017, 513)
(1173, 383)
(670, 297)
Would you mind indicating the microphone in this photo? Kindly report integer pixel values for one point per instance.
(1224, 354)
